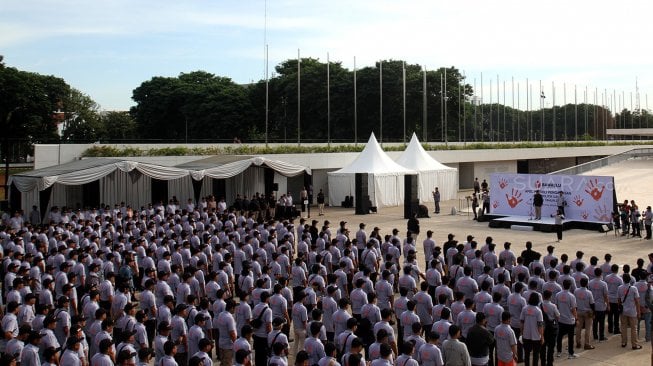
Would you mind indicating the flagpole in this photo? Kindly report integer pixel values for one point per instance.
(355, 108)
(505, 136)
(381, 101)
(482, 118)
(328, 102)
(542, 108)
(517, 111)
(403, 73)
(491, 135)
(564, 93)
(425, 132)
(512, 114)
(267, 95)
(575, 113)
(553, 110)
(528, 129)
(464, 113)
(299, 73)
(474, 100)
(459, 124)
(441, 108)
(498, 112)
(586, 112)
(446, 99)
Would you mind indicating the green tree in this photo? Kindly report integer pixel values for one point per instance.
(118, 126)
(81, 118)
(197, 105)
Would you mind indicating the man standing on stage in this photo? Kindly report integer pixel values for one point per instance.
(538, 201)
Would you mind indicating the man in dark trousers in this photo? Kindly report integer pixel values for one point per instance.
(538, 201)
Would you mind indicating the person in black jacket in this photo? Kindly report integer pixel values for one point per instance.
(538, 201)
(480, 342)
(413, 226)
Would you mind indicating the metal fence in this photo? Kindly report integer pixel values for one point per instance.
(608, 160)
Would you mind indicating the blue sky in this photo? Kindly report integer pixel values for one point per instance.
(107, 48)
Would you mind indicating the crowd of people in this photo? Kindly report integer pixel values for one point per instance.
(203, 284)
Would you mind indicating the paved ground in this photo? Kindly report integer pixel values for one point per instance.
(623, 250)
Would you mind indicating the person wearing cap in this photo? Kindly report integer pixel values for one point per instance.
(276, 335)
(46, 295)
(48, 338)
(91, 306)
(179, 334)
(26, 311)
(204, 353)
(127, 344)
(105, 354)
(70, 356)
(126, 322)
(30, 354)
(196, 333)
(62, 331)
(16, 345)
(161, 338)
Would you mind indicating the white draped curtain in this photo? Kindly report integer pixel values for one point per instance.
(132, 187)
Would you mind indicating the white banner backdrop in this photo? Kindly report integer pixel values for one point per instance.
(588, 198)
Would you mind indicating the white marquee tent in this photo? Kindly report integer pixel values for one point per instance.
(385, 177)
(431, 172)
(131, 181)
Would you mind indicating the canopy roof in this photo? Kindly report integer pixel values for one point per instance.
(373, 160)
(416, 158)
(89, 170)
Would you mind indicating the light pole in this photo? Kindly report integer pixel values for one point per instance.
(6, 143)
(542, 97)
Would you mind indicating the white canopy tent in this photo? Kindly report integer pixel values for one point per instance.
(385, 177)
(431, 172)
(130, 181)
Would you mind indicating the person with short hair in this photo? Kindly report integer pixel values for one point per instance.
(454, 351)
(629, 300)
(506, 342)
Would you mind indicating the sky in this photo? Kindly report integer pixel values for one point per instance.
(108, 48)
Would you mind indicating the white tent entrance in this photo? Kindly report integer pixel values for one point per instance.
(385, 178)
(108, 180)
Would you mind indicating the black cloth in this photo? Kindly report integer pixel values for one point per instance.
(598, 325)
(613, 318)
(546, 352)
(566, 329)
(261, 350)
(534, 347)
(320, 197)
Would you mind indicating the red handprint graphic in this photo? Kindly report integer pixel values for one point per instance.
(495, 204)
(514, 199)
(602, 214)
(578, 201)
(503, 183)
(585, 215)
(593, 189)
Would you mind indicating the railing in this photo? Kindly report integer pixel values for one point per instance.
(608, 160)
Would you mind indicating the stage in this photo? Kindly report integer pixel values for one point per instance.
(546, 224)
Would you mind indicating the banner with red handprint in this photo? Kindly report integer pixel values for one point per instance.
(584, 198)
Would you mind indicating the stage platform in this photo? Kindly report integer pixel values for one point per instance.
(546, 224)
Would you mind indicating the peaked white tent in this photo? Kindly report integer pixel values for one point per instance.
(431, 172)
(385, 177)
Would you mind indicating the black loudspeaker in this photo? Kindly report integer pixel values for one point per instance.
(411, 200)
(275, 187)
(361, 194)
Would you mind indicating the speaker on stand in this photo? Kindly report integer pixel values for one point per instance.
(411, 200)
(361, 194)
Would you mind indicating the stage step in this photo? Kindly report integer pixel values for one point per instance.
(521, 228)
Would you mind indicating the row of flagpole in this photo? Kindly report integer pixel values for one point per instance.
(608, 102)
